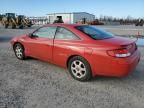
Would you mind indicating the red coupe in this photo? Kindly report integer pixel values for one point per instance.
(85, 50)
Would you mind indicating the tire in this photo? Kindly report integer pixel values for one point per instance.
(136, 24)
(29, 26)
(6, 25)
(21, 27)
(79, 69)
(19, 51)
(12, 25)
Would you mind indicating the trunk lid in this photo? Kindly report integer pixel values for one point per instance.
(120, 42)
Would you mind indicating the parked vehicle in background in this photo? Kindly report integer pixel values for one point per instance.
(139, 22)
(85, 50)
(13, 21)
(94, 22)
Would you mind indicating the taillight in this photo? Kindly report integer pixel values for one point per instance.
(120, 53)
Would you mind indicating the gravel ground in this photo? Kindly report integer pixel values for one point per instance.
(125, 29)
(36, 84)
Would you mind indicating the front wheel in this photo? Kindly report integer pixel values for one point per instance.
(79, 69)
(19, 51)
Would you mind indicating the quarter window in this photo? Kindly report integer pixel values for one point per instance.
(45, 32)
(65, 34)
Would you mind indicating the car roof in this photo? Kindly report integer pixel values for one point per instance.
(64, 25)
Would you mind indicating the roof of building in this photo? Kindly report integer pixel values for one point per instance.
(69, 13)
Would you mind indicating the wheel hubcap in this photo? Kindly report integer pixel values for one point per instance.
(78, 69)
(18, 51)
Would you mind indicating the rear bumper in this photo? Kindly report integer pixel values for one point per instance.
(117, 67)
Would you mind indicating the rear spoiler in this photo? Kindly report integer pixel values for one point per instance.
(130, 42)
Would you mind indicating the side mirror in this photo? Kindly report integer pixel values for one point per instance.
(31, 35)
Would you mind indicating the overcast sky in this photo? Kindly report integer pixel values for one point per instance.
(116, 8)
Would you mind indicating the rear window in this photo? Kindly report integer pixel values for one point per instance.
(95, 33)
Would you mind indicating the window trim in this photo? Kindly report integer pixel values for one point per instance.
(69, 31)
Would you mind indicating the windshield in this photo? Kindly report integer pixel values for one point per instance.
(95, 33)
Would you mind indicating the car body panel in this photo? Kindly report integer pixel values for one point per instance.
(40, 48)
(111, 66)
(63, 49)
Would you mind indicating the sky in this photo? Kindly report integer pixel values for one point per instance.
(115, 8)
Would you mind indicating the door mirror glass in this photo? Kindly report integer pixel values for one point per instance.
(32, 35)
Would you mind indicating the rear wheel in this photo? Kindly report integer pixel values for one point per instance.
(21, 27)
(6, 25)
(13, 26)
(19, 51)
(141, 24)
(79, 69)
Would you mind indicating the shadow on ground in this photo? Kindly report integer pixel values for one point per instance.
(5, 39)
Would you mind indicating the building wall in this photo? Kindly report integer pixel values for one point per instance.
(79, 16)
(39, 20)
(67, 18)
(70, 18)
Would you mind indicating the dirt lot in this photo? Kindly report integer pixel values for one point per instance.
(125, 29)
(36, 84)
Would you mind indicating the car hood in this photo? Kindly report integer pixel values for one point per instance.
(17, 38)
(20, 37)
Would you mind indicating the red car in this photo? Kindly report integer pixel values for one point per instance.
(85, 50)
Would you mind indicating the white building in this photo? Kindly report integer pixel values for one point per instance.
(39, 20)
(70, 18)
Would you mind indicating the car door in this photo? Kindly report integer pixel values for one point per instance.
(40, 43)
(64, 42)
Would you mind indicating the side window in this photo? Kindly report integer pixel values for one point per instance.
(65, 34)
(45, 32)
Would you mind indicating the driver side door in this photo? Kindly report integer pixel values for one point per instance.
(40, 44)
